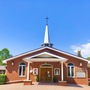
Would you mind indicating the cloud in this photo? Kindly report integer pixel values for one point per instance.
(85, 49)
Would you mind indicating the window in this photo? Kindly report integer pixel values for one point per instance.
(22, 67)
(56, 71)
(70, 70)
(2, 71)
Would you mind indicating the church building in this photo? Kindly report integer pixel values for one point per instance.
(47, 64)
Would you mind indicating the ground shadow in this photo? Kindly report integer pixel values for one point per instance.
(48, 83)
(75, 85)
(56, 84)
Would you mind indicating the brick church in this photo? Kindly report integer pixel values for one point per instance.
(47, 64)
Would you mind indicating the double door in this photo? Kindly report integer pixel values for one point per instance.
(46, 75)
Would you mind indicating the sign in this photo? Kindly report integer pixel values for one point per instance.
(35, 71)
(81, 74)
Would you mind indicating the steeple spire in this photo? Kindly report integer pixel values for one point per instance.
(46, 37)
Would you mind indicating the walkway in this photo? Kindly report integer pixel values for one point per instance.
(43, 86)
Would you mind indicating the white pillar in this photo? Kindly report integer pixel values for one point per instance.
(61, 71)
(28, 70)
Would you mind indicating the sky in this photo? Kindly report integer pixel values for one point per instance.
(22, 25)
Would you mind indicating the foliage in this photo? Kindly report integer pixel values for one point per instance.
(79, 53)
(55, 79)
(88, 58)
(4, 54)
(89, 84)
(2, 78)
(37, 78)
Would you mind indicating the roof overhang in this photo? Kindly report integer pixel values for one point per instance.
(59, 51)
(45, 57)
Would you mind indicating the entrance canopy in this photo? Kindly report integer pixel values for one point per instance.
(45, 57)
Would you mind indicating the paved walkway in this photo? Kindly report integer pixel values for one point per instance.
(43, 86)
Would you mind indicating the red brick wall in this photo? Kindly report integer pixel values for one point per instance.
(37, 65)
(88, 72)
(12, 70)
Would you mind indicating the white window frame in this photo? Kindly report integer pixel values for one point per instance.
(55, 70)
(34, 71)
(21, 75)
(71, 76)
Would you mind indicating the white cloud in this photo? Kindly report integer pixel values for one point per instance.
(85, 49)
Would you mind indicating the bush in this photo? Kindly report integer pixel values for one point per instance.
(55, 79)
(37, 78)
(89, 84)
(2, 78)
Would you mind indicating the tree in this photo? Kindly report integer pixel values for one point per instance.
(4, 54)
(88, 58)
(79, 53)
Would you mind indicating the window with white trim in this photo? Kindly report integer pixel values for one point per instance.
(22, 67)
(56, 71)
(70, 70)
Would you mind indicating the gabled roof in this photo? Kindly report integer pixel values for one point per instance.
(45, 56)
(59, 51)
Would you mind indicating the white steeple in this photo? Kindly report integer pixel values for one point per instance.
(46, 37)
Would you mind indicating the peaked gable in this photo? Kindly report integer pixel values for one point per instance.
(45, 49)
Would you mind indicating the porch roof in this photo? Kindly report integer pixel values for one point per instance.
(45, 57)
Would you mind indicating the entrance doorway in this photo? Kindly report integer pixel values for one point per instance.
(46, 73)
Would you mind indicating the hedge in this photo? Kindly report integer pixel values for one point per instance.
(2, 78)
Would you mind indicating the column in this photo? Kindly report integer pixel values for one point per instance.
(61, 71)
(28, 71)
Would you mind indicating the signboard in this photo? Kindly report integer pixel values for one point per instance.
(35, 71)
(81, 74)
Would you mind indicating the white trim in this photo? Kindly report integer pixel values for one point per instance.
(43, 60)
(55, 69)
(42, 49)
(61, 71)
(28, 69)
(70, 70)
(22, 70)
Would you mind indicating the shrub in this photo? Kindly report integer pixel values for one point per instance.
(36, 78)
(2, 78)
(55, 79)
(89, 84)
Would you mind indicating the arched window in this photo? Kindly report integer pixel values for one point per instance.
(56, 71)
(70, 70)
(22, 67)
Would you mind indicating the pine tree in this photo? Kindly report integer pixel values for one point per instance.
(79, 53)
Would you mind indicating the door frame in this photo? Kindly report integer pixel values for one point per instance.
(45, 67)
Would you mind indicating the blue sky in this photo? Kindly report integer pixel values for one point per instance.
(22, 24)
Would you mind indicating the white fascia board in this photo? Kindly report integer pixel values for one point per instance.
(21, 55)
(68, 54)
